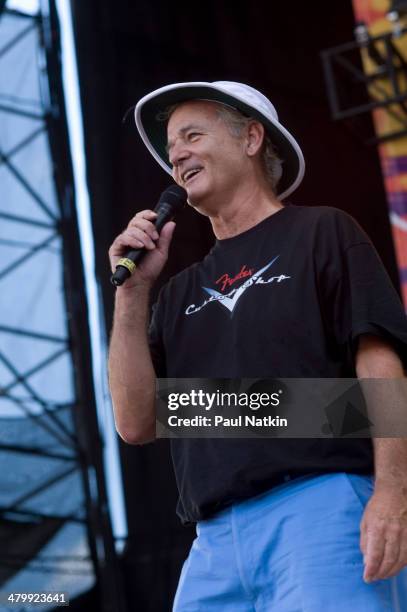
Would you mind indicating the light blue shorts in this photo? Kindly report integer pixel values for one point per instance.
(295, 548)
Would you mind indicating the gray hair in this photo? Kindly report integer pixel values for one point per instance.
(236, 123)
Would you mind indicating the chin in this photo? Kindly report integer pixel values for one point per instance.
(197, 190)
(195, 197)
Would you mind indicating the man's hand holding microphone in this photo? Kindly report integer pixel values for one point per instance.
(148, 232)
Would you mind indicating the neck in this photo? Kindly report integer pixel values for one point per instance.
(248, 208)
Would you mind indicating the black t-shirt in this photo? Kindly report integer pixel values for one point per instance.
(286, 298)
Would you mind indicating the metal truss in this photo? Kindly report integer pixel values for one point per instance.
(60, 436)
(353, 93)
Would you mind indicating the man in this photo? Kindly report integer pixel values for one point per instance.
(282, 524)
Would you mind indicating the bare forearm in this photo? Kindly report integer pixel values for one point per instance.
(384, 387)
(390, 458)
(131, 372)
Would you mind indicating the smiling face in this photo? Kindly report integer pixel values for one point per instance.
(207, 160)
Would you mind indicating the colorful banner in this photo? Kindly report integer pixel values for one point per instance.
(393, 152)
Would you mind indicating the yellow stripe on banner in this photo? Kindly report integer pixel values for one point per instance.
(127, 263)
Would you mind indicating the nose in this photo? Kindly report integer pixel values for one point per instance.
(178, 153)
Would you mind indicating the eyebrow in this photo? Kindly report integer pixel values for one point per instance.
(182, 132)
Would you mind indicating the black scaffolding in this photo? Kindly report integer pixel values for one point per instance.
(53, 449)
(352, 93)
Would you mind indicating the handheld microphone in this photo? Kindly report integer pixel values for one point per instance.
(171, 200)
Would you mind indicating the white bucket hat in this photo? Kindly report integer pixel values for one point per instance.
(153, 130)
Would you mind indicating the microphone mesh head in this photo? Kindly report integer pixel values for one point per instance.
(174, 195)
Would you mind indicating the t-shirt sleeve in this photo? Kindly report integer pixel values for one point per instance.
(362, 297)
(373, 305)
(155, 338)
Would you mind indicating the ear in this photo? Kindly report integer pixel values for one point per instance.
(255, 137)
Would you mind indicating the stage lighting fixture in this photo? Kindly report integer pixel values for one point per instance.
(361, 33)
